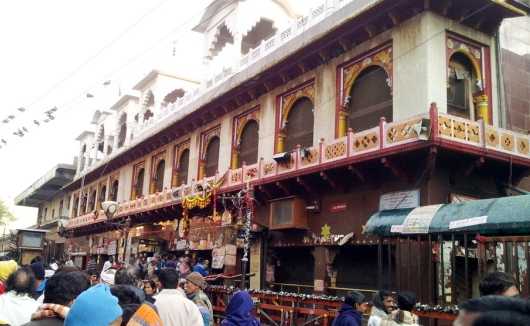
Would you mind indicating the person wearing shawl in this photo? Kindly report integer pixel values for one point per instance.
(145, 316)
(239, 311)
(6, 269)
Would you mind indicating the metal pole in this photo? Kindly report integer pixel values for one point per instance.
(248, 198)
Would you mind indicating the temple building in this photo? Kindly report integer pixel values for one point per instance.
(326, 117)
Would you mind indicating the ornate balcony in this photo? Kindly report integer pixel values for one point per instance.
(429, 129)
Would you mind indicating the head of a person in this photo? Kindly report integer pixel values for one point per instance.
(36, 259)
(355, 299)
(472, 309)
(194, 283)
(7, 267)
(111, 259)
(502, 318)
(127, 275)
(184, 267)
(239, 309)
(206, 263)
(38, 270)
(95, 306)
(93, 276)
(406, 301)
(150, 287)
(169, 278)
(498, 283)
(384, 300)
(125, 294)
(21, 281)
(62, 288)
(68, 269)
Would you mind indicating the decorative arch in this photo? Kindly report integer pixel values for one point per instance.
(114, 186)
(211, 158)
(138, 180)
(240, 122)
(180, 168)
(158, 166)
(348, 72)
(206, 138)
(285, 103)
(369, 100)
(479, 56)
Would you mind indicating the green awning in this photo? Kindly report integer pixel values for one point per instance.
(506, 215)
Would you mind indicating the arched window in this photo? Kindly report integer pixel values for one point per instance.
(183, 164)
(299, 125)
(92, 201)
(248, 144)
(462, 84)
(123, 130)
(101, 139)
(212, 156)
(139, 185)
(113, 196)
(159, 176)
(370, 99)
(102, 195)
(76, 205)
(84, 200)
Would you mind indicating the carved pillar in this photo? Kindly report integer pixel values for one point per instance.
(235, 158)
(343, 123)
(202, 170)
(255, 264)
(280, 142)
(481, 108)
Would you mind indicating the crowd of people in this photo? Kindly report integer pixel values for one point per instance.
(499, 304)
(166, 291)
(169, 292)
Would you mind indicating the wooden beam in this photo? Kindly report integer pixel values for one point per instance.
(264, 190)
(324, 57)
(283, 188)
(301, 67)
(394, 18)
(305, 185)
(356, 173)
(446, 5)
(370, 30)
(474, 165)
(268, 86)
(326, 178)
(284, 77)
(344, 43)
(396, 171)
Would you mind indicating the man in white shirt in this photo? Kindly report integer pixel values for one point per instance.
(17, 305)
(172, 305)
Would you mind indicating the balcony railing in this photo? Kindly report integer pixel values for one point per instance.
(444, 128)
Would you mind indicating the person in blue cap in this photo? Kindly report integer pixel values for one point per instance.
(95, 306)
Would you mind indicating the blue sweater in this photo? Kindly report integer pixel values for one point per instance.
(347, 317)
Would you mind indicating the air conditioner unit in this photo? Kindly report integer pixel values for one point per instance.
(282, 158)
(288, 213)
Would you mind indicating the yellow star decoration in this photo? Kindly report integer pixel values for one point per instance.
(325, 231)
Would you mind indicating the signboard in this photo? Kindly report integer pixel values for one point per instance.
(218, 258)
(338, 207)
(419, 219)
(31, 239)
(399, 199)
(468, 222)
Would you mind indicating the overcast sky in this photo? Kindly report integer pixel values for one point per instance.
(55, 51)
